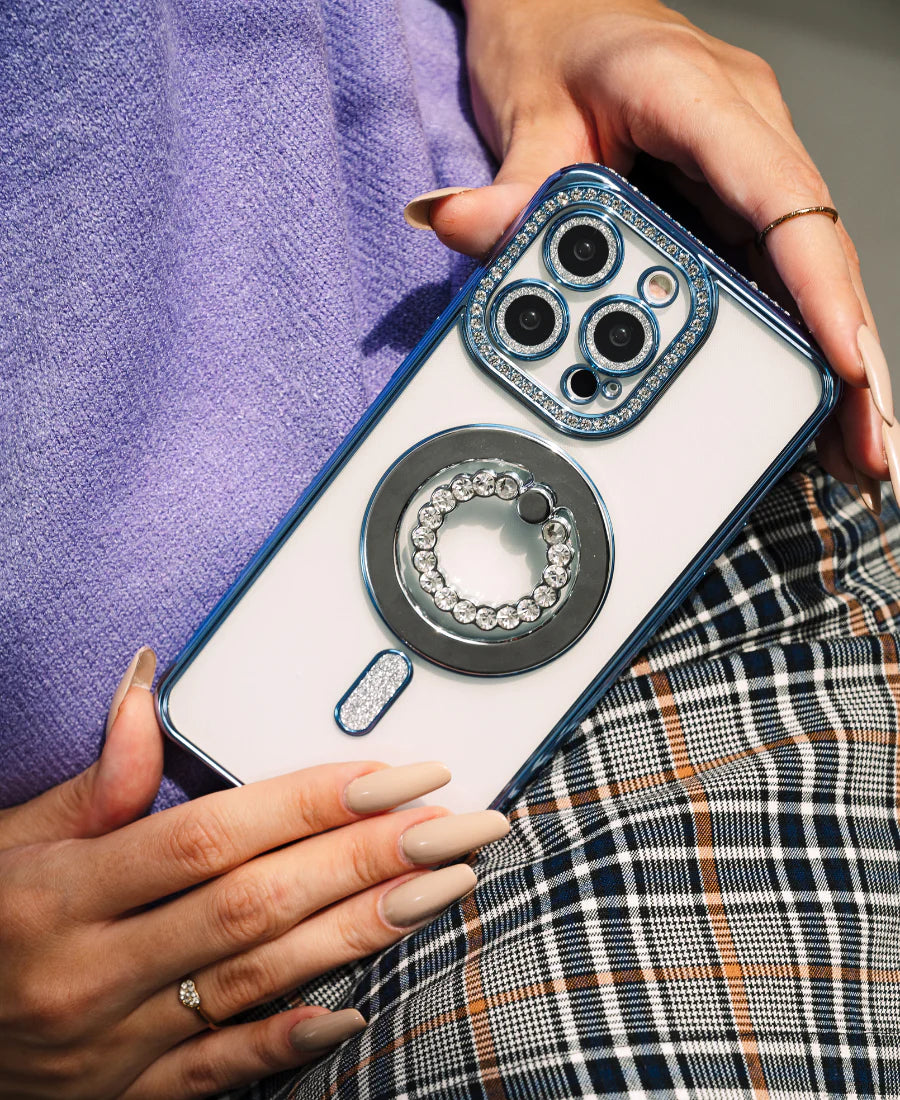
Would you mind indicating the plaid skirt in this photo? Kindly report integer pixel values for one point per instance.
(700, 895)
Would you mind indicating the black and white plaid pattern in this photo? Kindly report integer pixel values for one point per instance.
(700, 896)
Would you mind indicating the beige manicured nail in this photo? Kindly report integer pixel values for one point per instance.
(139, 673)
(877, 373)
(389, 787)
(870, 491)
(890, 436)
(448, 837)
(418, 210)
(424, 897)
(322, 1032)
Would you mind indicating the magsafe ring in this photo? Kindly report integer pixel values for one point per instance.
(576, 505)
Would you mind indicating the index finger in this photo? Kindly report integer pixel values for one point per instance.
(190, 844)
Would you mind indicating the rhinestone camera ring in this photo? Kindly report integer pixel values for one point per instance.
(400, 550)
(628, 307)
(556, 532)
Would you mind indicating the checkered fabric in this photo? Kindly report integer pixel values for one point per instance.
(700, 895)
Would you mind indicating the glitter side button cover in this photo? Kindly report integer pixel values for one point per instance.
(373, 692)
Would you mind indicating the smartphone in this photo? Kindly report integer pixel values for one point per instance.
(543, 480)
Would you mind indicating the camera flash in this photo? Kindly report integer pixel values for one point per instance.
(658, 287)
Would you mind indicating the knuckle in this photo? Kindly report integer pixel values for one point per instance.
(659, 42)
(246, 910)
(800, 178)
(311, 812)
(793, 182)
(52, 987)
(363, 862)
(681, 71)
(200, 844)
(202, 1073)
(47, 1010)
(266, 1054)
(760, 70)
(74, 797)
(682, 45)
(73, 1070)
(61, 1073)
(243, 981)
(358, 938)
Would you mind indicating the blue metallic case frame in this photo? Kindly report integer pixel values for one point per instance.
(647, 216)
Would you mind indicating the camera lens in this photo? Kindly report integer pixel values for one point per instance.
(580, 385)
(619, 336)
(530, 319)
(582, 250)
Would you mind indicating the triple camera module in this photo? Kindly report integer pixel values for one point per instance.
(588, 309)
(618, 335)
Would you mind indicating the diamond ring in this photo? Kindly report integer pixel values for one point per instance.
(536, 506)
(190, 998)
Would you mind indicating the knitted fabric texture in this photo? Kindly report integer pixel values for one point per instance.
(206, 279)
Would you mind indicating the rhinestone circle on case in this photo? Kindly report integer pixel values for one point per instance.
(464, 611)
(555, 533)
(424, 560)
(544, 596)
(423, 539)
(462, 487)
(528, 609)
(507, 617)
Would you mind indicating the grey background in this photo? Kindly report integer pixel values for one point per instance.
(838, 62)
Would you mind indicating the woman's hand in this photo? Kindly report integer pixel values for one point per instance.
(263, 888)
(601, 80)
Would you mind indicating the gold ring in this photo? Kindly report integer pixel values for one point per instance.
(829, 210)
(190, 998)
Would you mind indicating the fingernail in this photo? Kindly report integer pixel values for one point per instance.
(425, 896)
(447, 837)
(417, 212)
(890, 437)
(389, 787)
(139, 673)
(877, 374)
(870, 491)
(322, 1032)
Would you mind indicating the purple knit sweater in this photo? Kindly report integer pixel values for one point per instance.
(204, 279)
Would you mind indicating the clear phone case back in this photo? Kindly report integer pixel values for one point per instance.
(547, 475)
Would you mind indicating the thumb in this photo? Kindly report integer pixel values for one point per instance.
(129, 770)
(114, 790)
(472, 221)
